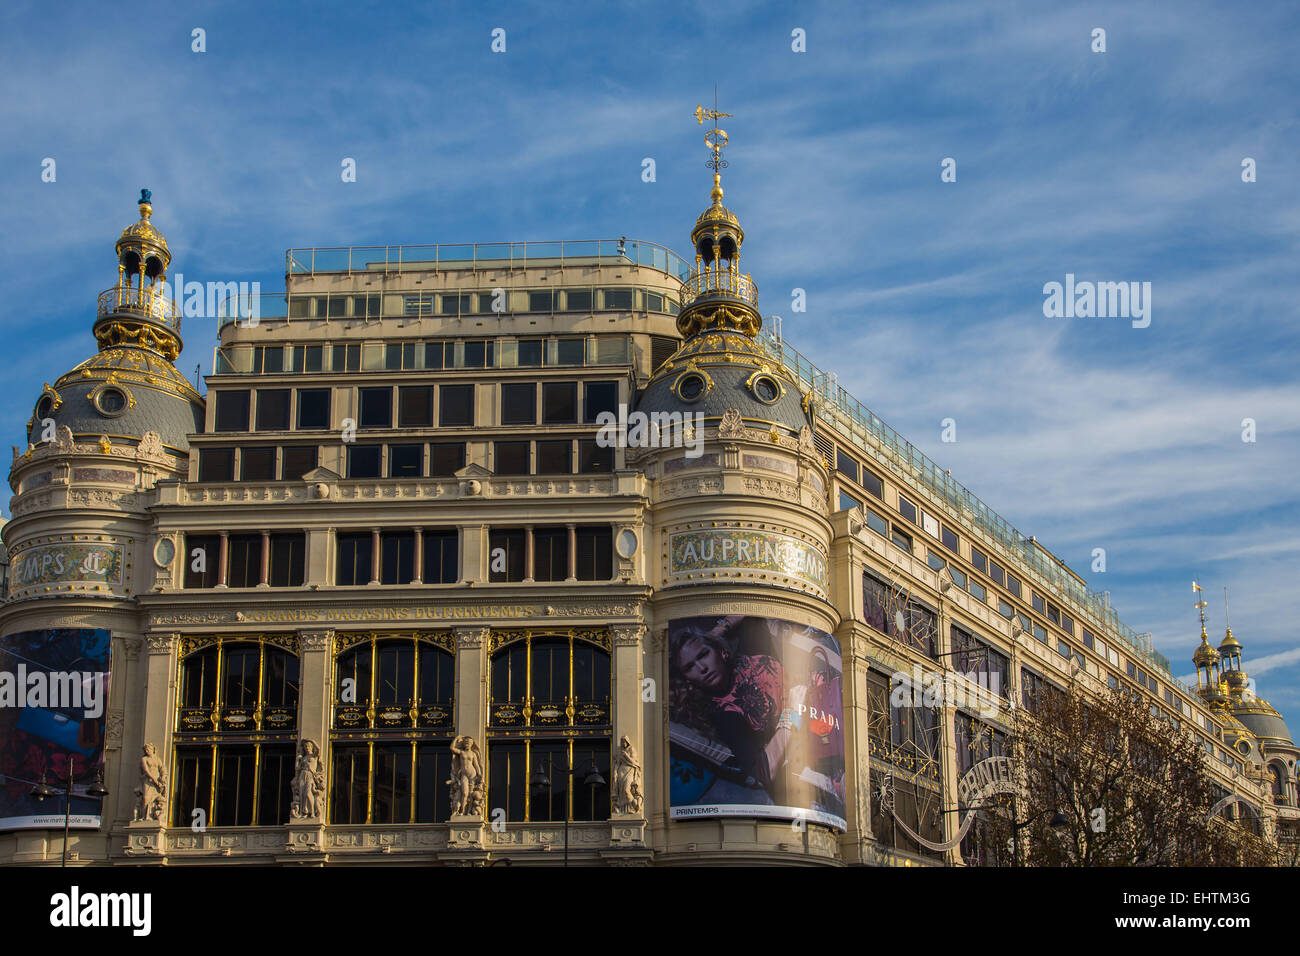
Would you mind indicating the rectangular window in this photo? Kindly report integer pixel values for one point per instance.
(929, 524)
(405, 461)
(272, 409)
(530, 353)
(541, 301)
(1054, 614)
(847, 501)
(555, 457)
(949, 540)
(978, 559)
(308, 358)
(415, 406)
(1040, 632)
(1112, 681)
(313, 408)
(203, 551)
(1005, 609)
(480, 353)
(934, 561)
(570, 351)
(446, 458)
(996, 573)
(907, 509)
(599, 397)
(364, 461)
(577, 300)
(347, 358)
(876, 523)
(296, 461)
(216, 464)
(958, 576)
(1040, 605)
(550, 554)
(441, 557)
(397, 557)
(1067, 624)
(491, 304)
(872, 484)
(376, 408)
(510, 458)
(594, 459)
(559, 403)
(235, 775)
(508, 546)
(456, 406)
(288, 557)
(654, 302)
(618, 299)
(257, 464)
(976, 589)
(231, 411)
(268, 359)
(439, 355)
(901, 538)
(595, 559)
(1064, 649)
(846, 465)
(1013, 585)
(354, 558)
(453, 304)
(1087, 639)
(244, 560)
(519, 403)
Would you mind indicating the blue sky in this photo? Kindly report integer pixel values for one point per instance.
(926, 297)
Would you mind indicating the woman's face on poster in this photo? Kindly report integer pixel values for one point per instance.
(703, 665)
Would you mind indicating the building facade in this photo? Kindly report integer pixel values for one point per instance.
(519, 551)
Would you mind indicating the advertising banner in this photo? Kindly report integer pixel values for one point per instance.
(53, 700)
(755, 720)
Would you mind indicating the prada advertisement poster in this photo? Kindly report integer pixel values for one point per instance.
(755, 720)
(53, 698)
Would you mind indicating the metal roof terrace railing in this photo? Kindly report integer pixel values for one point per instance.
(881, 442)
(484, 255)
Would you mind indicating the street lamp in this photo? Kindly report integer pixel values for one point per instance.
(540, 784)
(42, 791)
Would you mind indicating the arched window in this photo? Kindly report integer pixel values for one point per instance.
(393, 723)
(236, 730)
(1279, 784)
(549, 709)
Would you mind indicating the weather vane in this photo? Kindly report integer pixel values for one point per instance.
(715, 138)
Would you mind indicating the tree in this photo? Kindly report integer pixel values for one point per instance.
(1106, 783)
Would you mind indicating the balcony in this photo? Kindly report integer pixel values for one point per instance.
(148, 302)
(720, 282)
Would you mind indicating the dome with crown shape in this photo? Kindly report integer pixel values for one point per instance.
(131, 385)
(722, 364)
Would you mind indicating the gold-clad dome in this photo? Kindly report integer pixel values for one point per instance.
(1229, 643)
(1205, 652)
(141, 241)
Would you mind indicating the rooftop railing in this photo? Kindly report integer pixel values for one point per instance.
(872, 436)
(351, 260)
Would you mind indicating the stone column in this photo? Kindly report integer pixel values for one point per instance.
(528, 553)
(221, 560)
(315, 670)
(146, 836)
(628, 720)
(266, 560)
(573, 554)
(468, 832)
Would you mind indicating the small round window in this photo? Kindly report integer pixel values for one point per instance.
(766, 389)
(691, 387)
(44, 407)
(111, 401)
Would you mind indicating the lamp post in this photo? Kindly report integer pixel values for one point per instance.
(540, 783)
(42, 791)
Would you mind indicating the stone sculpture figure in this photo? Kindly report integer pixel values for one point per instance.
(308, 783)
(153, 786)
(466, 780)
(627, 779)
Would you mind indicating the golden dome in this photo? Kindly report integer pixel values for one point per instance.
(144, 232)
(1205, 654)
(1229, 643)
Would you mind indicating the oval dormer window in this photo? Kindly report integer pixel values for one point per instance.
(691, 388)
(766, 389)
(111, 401)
